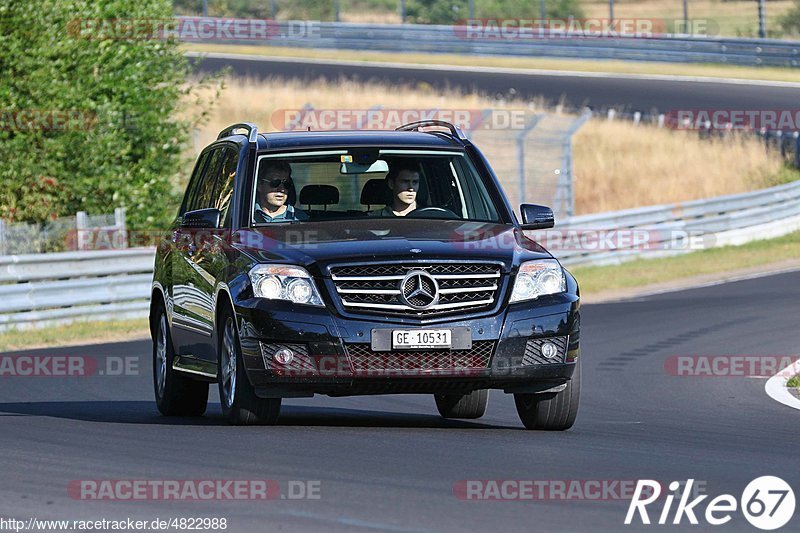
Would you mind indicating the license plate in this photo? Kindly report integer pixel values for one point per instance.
(421, 338)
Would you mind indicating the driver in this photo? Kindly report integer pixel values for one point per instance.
(403, 181)
(274, 184)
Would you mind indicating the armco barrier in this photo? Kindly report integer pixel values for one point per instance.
(42, 289)
(422, 38)
(45, 289)
(719, 221)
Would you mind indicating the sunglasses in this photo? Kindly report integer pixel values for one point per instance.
(277, 182)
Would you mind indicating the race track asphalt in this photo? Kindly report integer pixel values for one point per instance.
(645, 95)
(390, 463)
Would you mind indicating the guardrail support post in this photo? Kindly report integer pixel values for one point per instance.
(796, 149)
(81, 225)
(521, 155)
(566, 178)
(2, 237)
(119, 222)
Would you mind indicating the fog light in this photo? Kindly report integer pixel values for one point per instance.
(283, 356)
(549, 350)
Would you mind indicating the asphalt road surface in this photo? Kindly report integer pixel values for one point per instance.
(390, 463)
(647, 96)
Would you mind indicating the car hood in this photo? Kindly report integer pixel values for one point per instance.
(344, 241)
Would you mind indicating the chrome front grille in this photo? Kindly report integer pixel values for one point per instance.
(378, 289)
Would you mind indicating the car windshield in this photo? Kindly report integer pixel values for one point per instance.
(369, 182)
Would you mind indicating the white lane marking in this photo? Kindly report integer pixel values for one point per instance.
(499, 70)
(776, 386)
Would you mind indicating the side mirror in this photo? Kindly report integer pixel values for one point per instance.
(536, 217)
(202, 219)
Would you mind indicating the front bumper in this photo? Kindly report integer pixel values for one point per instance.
(332, 354)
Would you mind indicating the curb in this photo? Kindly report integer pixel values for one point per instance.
(776, 386)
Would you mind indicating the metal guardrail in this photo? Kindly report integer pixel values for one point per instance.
(46, 289)
(421, 38)
(677, 228)
(43, 289)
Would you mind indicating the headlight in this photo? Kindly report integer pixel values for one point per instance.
(284, 282)
(538, 278)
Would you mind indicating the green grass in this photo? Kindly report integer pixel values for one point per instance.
(642, 272)
(794, 381)
(579, 65)
(70, 334)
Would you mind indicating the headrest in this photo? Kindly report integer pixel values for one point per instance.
(375, 192)
(319, 195)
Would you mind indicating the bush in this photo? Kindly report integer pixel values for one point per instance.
(527, 9)
(286, 9)
(451, 11)
(436, 11)
(115, 141)
(790, 21)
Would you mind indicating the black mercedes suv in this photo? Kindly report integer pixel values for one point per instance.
(359, 262)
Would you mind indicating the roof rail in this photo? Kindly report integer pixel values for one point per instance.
(252, 131)
(415, 126)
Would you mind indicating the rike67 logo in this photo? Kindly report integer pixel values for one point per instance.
(767, 503)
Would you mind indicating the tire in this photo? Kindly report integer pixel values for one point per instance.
(468, 406)
(240, 405)
(176, 394)
(551, 412)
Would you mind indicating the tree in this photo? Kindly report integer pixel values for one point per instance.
(88, 111)
(790, 21)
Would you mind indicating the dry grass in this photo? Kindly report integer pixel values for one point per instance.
(256, 101)
(617, 165)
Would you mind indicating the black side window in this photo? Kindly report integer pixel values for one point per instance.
(194, 182)
(204, 192)
(223, 192)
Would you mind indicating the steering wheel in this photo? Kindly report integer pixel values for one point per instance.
(433, 212)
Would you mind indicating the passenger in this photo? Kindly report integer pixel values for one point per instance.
(273, 192)
(403, 181)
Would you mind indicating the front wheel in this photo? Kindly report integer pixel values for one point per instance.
(551, 412)
(468, 406)
(240, 405)
(176, 394)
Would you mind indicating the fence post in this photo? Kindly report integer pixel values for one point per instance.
(81, 225)
(796, 149)
(2, 237)
(521, 155)
(566, 177)
(119, 223)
